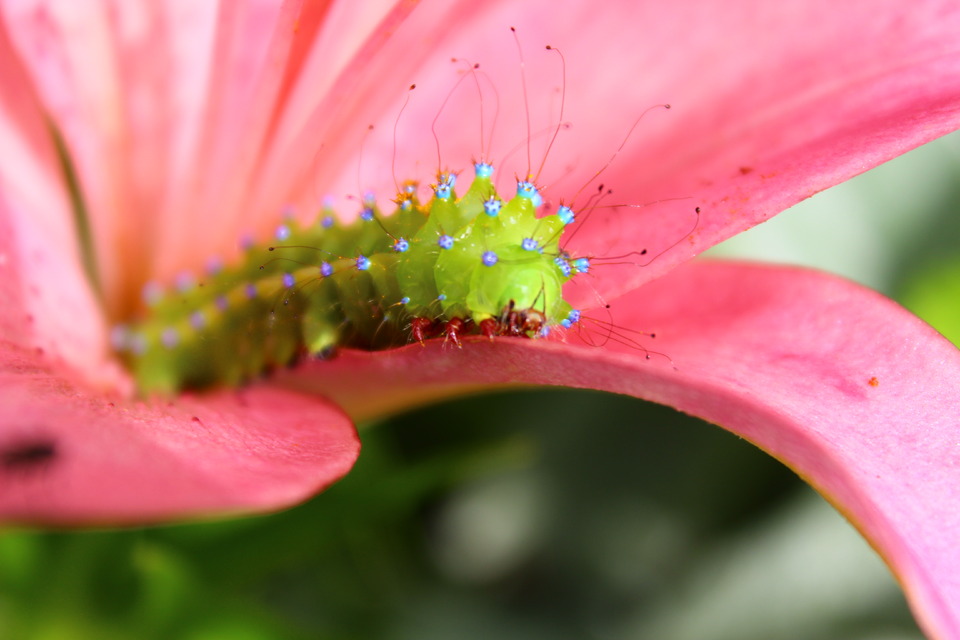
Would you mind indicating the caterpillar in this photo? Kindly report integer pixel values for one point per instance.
(451, 267)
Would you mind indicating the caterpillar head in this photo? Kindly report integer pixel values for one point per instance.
(505, 262)
(516, 283)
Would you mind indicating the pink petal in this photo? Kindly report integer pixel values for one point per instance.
(71, 456)
(45, 297)
(298, 50)
(771, 104)
(320, 130)
(859, 397)
(69, 50)
(169, 109)
(223, 115)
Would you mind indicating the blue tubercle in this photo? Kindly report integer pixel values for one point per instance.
(137, 344)
(185, 282)
(483, 169)
(529, 244)
(572, 318)
(489, 258)
(367, 214)
(445, 184)
(363, 263)
(152, 293)
(214, 265)
(526, 189)
(326, 269)
(401, 245)
(492, 206)
(120, 337)
(564, 266)
(198, 320)
(445, 242)
(170, 338)
(581, 265)
(565, 214)
(282, 233)
(289, 280)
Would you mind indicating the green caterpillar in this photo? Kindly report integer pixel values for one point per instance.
(457, 266)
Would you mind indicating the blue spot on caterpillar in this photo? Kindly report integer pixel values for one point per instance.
(455, 266)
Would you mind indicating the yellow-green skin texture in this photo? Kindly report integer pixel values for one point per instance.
(357, 289)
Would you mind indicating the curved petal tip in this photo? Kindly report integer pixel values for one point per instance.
(71, 456)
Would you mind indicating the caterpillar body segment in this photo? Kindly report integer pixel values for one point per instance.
(454, 266)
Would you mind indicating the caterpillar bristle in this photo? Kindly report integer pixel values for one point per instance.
(470, 265)
(476, 264)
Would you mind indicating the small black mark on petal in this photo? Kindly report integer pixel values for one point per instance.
(27, 455)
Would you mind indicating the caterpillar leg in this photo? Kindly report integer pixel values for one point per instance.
(421, 329)
(452, 331)
(489, 328)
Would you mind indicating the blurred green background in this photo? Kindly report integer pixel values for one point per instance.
(543, 514)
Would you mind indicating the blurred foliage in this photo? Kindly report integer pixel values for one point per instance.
(542, 514)
(934, 295)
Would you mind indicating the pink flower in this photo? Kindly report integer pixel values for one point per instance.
(190, 123)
